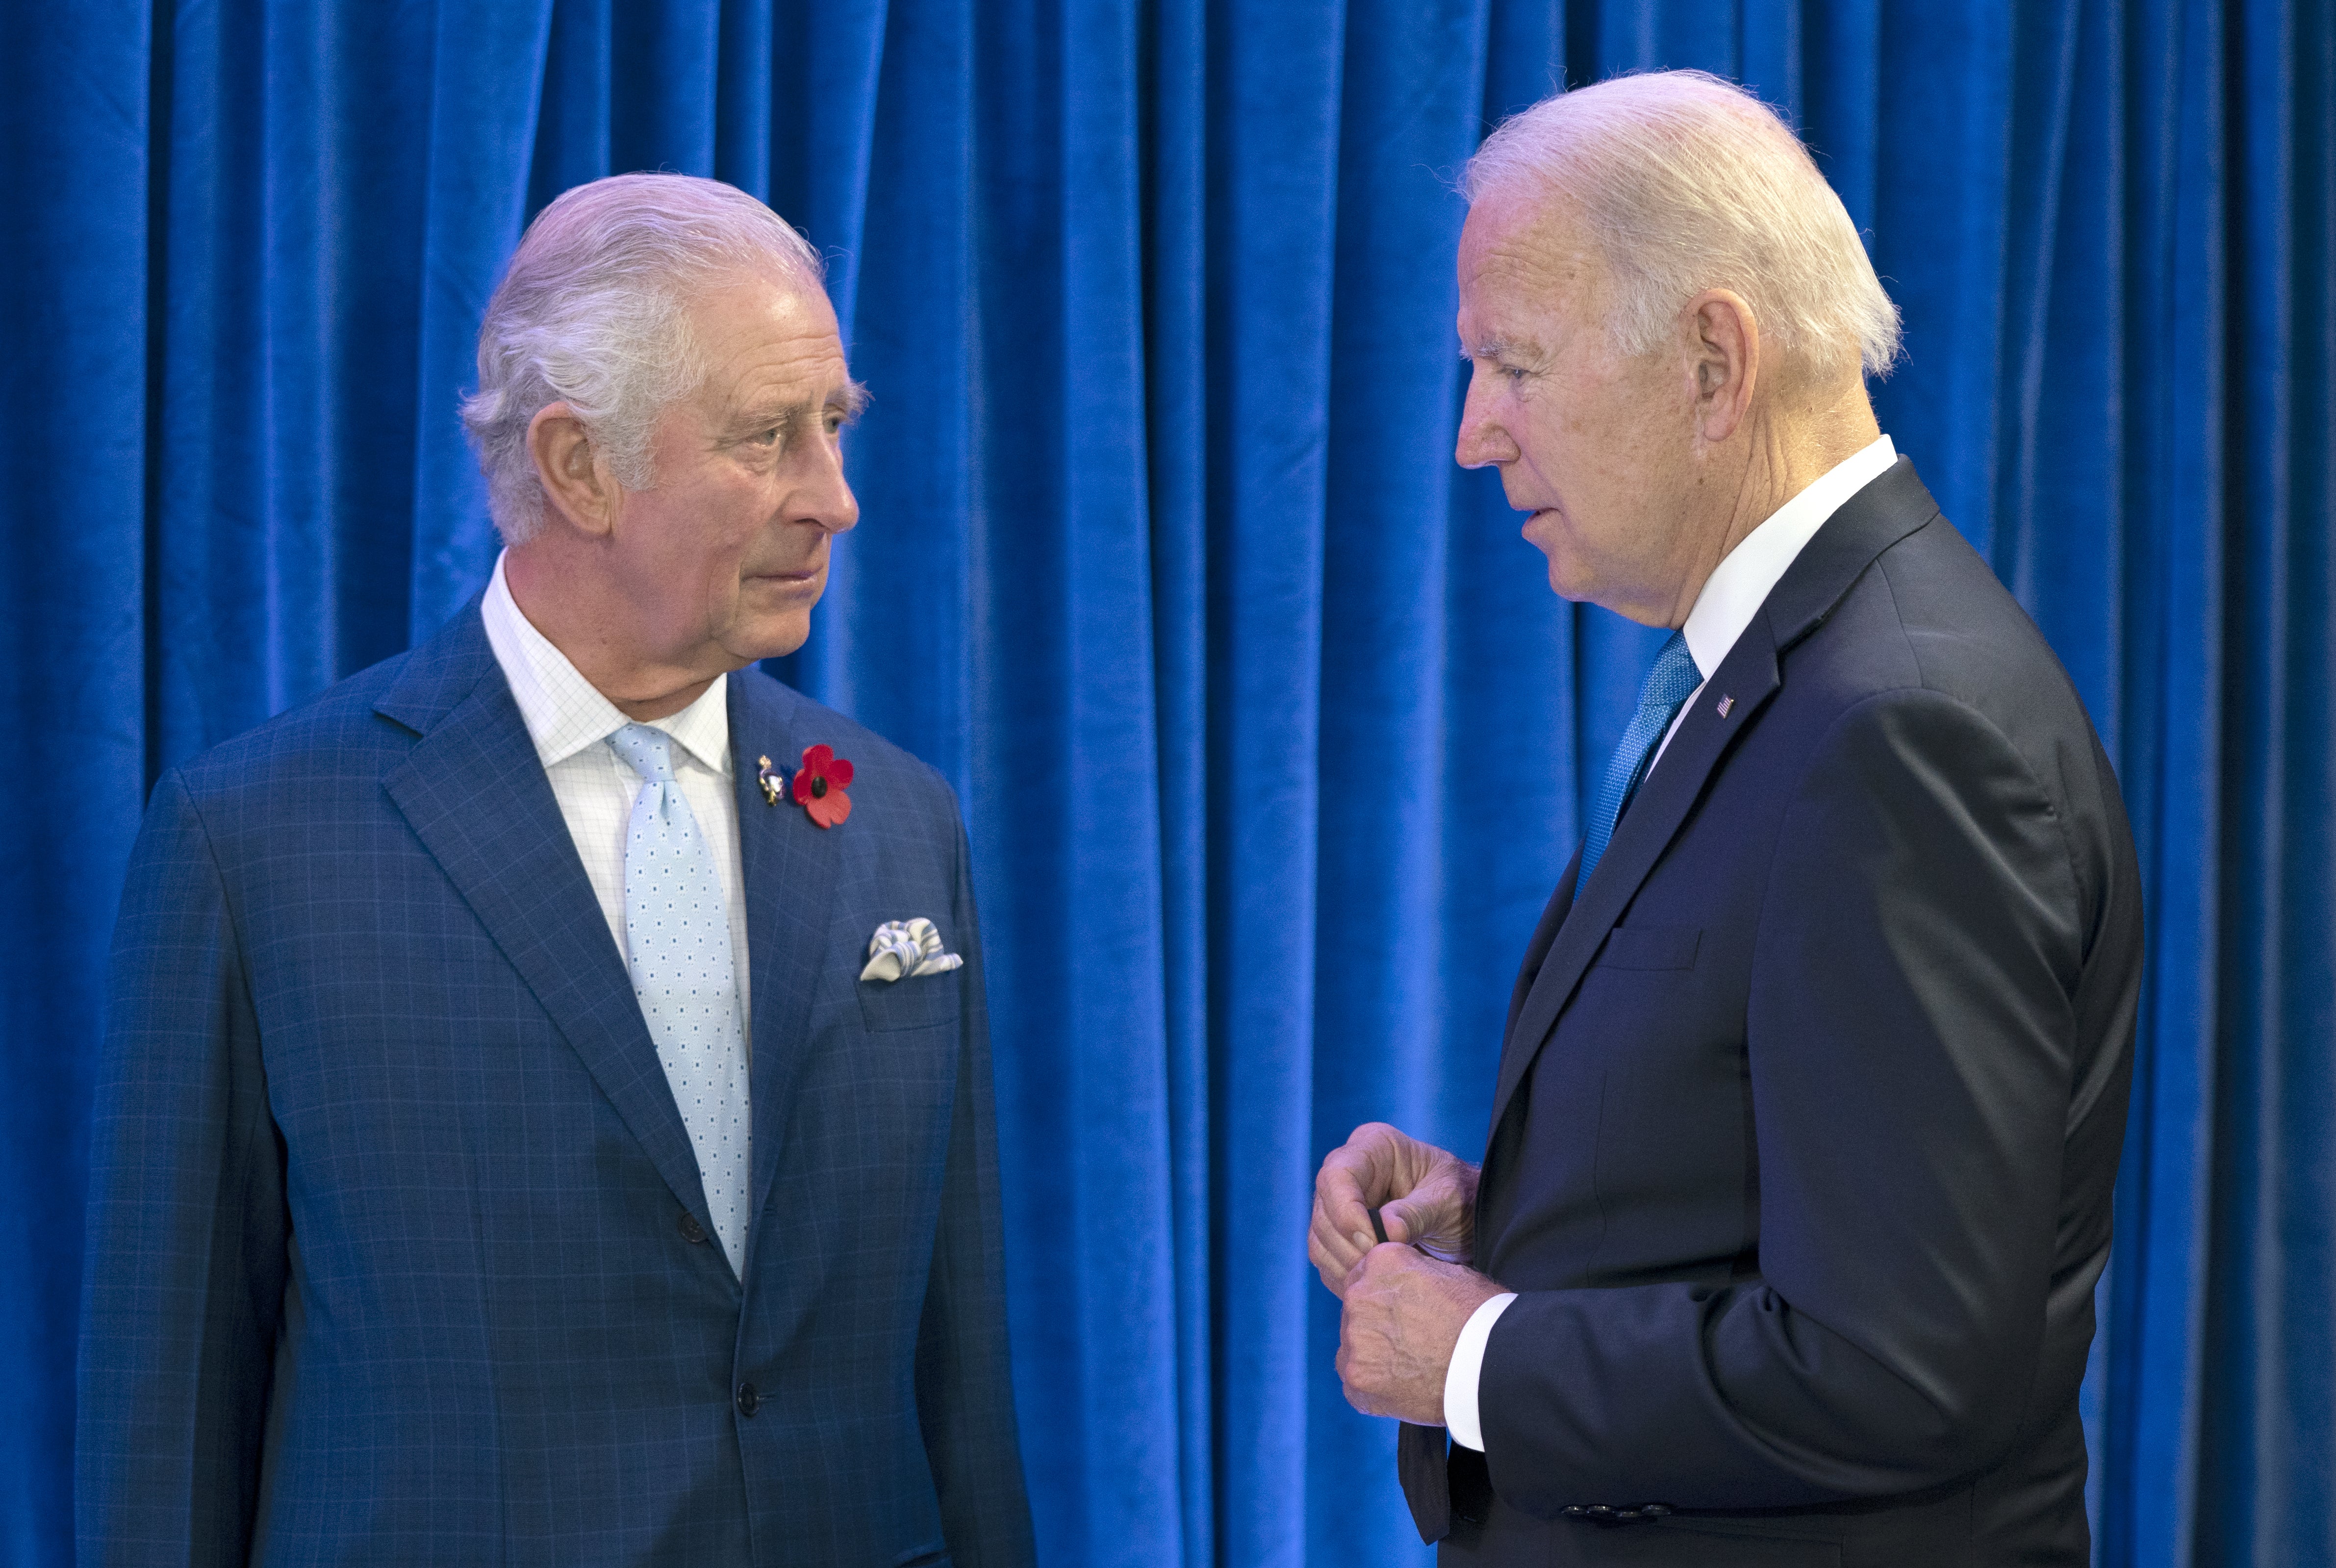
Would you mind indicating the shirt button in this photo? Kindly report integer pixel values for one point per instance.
(747, 1398)
(691, 1231)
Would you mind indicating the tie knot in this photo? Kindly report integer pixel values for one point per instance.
(1673, 676)
(648, 751)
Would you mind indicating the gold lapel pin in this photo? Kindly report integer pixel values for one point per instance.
(1725, 704)
(764, 776)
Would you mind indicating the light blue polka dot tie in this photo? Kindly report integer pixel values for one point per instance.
(677, 944)
(1671, 681)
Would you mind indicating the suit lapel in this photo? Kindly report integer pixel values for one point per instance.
(1553, 920)
(1893, 506)
(1748, 675)
(790, 865)
(476, 793)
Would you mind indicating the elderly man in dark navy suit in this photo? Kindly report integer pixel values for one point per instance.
(545, 1115)
(1799, 1179)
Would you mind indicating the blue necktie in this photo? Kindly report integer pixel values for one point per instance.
(677, 942)
(1671, 681)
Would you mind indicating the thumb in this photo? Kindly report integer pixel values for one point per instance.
(1397, 1218)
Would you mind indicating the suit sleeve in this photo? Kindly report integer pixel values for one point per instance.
(1911, 1042)
(184, 1268)
(965, 1394)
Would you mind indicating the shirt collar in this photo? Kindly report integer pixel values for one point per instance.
(565, 713)
(1740, 584)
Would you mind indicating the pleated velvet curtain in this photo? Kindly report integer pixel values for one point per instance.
(1271, 739)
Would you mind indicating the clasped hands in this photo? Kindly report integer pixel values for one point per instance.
(1403, 1307)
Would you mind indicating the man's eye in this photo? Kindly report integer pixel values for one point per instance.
(1514, 372)
(768, 437)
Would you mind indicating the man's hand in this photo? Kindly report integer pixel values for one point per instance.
(1404, 1313)
(1425, 1196)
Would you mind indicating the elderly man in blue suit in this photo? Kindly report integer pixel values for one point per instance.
(545, 1115)
(1798, 1180)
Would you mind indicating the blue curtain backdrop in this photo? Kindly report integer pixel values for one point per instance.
(1271, 739)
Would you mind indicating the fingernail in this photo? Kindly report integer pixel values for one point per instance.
(1363, 1239)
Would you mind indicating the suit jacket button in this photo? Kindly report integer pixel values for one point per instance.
(747, 1398)
(1574, 1510)
(691, 1231)
(1655, 1510)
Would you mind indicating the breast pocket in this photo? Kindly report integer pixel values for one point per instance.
(913, 1002)
(1649, 948)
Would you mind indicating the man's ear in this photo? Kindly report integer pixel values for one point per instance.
(1724, 349)
(577, 483)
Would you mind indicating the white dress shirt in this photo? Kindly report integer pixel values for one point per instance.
(1731, 596)
(570, 721)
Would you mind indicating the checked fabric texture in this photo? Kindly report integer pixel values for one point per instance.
(1671, 681)
(677, 946)
(502, 1342)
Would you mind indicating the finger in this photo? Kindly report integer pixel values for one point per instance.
(1339, 1245)
(1415, 1223)
(1381, 1264)
(1420, 1219)
(1332, 1270)
(1375, 1261)
(1345, 1237)
(1374, 1159)
(1433, 1212)
(1344, 1190)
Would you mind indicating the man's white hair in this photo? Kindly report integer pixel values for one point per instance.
(1688, 182)
(594, 313)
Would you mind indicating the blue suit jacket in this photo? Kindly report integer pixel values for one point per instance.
(1810, 1107)
(397, 1241)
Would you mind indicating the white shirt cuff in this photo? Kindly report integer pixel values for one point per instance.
(1467, 1364)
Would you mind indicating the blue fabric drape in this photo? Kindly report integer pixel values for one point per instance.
(1272, 739)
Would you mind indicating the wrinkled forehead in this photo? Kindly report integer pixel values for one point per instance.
(1525, 258)
(767, 339)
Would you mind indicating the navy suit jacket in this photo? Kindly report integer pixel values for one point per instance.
(1811, 1104)
(397, 1251)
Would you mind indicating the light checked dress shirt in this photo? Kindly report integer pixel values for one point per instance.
(570, 721)
(1731, 596)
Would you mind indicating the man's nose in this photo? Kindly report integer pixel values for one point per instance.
(828, 500)
(1482, 442)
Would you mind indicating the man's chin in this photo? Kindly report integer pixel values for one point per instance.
(772, 615)
(765, 636)
(1569, 583)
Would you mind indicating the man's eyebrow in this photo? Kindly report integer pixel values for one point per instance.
(850, 399)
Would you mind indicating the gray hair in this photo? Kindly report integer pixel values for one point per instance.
(1688, 182)
(593, 313)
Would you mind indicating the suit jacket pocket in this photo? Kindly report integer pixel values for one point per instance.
(1649, 948)
(914, 1002)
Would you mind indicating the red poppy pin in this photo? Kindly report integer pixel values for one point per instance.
(820, 784)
